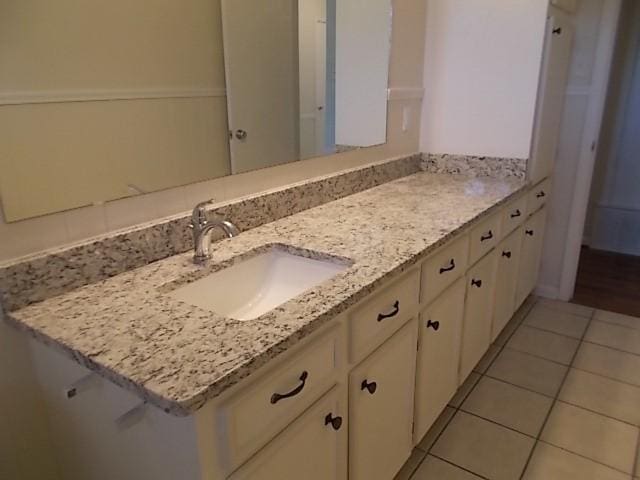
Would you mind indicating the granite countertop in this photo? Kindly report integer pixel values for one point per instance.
(178, 356)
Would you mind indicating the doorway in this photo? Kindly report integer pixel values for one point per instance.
(609, 267)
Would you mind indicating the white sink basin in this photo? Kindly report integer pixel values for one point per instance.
(251, 288)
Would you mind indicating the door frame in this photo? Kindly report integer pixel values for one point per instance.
(589, 147)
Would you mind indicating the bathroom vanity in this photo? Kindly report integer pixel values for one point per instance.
(415, 278)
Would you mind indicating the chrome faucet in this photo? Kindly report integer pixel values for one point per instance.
(202, 229)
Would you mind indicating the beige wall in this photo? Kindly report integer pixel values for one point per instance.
(26, 237)
(98, 96)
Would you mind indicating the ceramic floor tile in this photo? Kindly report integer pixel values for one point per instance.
(464, 389)
(508, 405)
(486, 360)
(556, 321)
(527, 371)
(435, 469)
(410, 465)
(614, 336)
(435, 430)
(484, 448)
(594, 436)
(617, 319)
(566, 307)
(602, 395)
(609, 363)
(552, 463)
(542, 343)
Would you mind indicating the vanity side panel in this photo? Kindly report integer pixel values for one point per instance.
(25, 441)
(90, 443)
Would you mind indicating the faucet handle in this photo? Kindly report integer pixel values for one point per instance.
(198, 216)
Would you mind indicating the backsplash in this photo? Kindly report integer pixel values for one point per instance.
(32, 279)
(473, 165)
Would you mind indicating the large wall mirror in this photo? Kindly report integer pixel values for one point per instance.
(103, 100)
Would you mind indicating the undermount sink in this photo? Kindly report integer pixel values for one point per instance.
(252, 287)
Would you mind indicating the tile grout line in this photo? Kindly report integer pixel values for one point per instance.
(621, 325)
(540, 357)
(582, 456)
(611, 348)
(551, 331)
(618, 324)
(599, 413)
(605, 376)
(458, 466)
(498, 424)
(555, 400)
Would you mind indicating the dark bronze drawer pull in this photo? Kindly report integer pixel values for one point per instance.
(488, 236)
(452, 265)
(276, 397)
(506, 254)
(541, 194)
(369, 386)
(336, 422)
(476, 283)
(516, 214)
(396, 309)
(435, 325)
(529, 232)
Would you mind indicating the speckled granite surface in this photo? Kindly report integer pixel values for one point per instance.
(178, 356)
(475, 166)
(54, 272)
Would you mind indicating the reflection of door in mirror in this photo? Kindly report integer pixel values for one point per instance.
(312, 35)
(363, 33)
(261, 62)
(104, 100)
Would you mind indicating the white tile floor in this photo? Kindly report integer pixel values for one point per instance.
(557, 397)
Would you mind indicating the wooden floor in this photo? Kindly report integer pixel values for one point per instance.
(608, 281)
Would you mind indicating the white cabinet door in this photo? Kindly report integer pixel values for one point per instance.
(381, 408)
(551, 96)
(440, 330)
(530, 255)
(508, 253)
(476, 329)
(313, 447)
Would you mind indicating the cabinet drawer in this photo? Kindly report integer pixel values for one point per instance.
(253, 416)
(514, 215)
(538, 196)
(484, 237)
(443, 268)
(382, 313)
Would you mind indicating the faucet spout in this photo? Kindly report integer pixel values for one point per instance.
(202, 228)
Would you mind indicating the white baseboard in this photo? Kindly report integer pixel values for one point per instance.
(547, 291)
